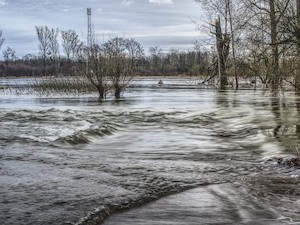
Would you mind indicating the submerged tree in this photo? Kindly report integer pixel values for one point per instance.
(121, 56)
(229, 7)
(91, 68)
(265, 18)
(264, 36)
(289, 26)
(110, 66)
(297, 37)
(297, 30)
(274, 18)
(225, 30)
(222, 42)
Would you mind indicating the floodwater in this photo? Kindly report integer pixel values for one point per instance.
(173, 154)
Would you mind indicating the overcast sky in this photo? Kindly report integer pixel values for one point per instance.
(164, 23)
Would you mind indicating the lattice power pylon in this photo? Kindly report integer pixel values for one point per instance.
(89, 31)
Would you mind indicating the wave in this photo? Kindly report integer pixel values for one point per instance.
(240, 133)
(85, 136)
(53, 125)
(80, 126)
(101, 213)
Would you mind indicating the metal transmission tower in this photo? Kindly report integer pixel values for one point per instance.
(89, 31)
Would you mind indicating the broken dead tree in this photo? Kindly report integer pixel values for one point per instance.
(222, 43)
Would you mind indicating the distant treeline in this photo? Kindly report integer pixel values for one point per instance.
(50, 61)
(157, 63)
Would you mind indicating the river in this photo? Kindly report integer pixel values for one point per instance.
(171, 154)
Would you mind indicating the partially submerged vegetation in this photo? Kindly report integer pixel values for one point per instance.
(110, 66)
(256, 41)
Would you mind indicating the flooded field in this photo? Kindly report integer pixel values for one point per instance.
(171, 154)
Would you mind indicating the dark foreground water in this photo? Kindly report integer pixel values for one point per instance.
(161, 155)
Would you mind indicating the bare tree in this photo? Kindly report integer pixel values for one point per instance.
(2, 39)
(97, 70)
(135, 51)
(70, 42)
(110, 65)
(9, 55)
(44, 37)
(229, 22)
(156, 56)
(298, 25)
(274, 44)
(29, 59)
(54, 46)
(297, 83)
(271, 14)
(229, 9)
(289, 29)
(222, 42)
(92, 68)
(121, 56)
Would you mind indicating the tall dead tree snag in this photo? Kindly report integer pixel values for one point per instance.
(229, 9)
(298, 39)
(297, 34)
(222, 43)
(298, 25)
(274, 45)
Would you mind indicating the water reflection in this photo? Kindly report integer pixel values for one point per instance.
(78, 160)
(275, 107)
(222, 98)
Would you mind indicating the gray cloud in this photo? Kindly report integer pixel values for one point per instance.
(127, 2)
(2, 3)
(166, 25)
(161, 1)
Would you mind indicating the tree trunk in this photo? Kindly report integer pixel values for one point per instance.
(101, 93)
(44, 64)
(233, 45)
(297, 79)
(222, 52)
(298, 109)
(274, 46)
(298, 25)
(118, 93)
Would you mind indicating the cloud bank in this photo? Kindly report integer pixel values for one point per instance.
(160, 2)
(168, 25)
(127, 2)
